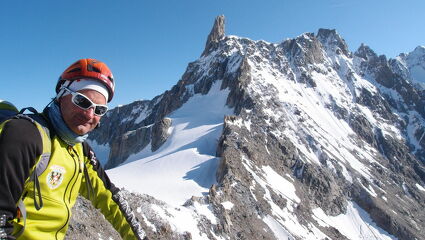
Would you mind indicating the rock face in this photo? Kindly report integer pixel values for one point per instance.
(160, 133)
(216, 34)
(317, 130)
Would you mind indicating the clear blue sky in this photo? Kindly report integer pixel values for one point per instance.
(148, 44)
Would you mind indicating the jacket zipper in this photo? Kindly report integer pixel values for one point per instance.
(78, 161)
(66, 189)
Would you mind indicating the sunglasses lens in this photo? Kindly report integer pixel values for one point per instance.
(81, 101)
(100, 110)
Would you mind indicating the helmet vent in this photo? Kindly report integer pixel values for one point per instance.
(91, 68)
(74, 70)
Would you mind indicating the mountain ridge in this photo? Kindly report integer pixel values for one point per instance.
(342, 131)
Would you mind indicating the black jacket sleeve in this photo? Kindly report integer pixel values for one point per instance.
(20, 145)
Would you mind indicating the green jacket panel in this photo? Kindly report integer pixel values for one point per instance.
(59, 184)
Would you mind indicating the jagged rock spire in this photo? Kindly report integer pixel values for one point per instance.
(365, 52)
(330, 38)
(216, 34)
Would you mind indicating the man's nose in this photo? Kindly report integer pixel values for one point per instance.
(89, 112)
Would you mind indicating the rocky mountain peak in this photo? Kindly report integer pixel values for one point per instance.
(305, 49)
(365, 52)
(420, 50)
(417, 56)
(217, 33)
(406, 63)
(332, 40)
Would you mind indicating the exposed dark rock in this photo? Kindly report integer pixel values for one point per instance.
(304, 50)
(160, 133)
(117, 121)
(306, 78)
(131, 142)
(324, 191)
(238, 98)
(363, 128)
(366, 53)
(216, 34)
(388, 220)
(329, 37)
(88, 223)
(136, 140)
(376, 103)
(390, 75)
(390, 147)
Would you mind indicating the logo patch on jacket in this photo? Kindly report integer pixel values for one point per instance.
(55, 176)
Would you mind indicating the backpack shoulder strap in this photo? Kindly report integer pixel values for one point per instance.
(43, 160)
(43, 127)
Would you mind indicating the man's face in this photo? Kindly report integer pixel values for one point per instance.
(79, 120)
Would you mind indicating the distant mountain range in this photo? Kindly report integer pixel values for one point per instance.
(301, 139)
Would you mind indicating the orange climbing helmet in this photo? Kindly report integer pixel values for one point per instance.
(88, 68)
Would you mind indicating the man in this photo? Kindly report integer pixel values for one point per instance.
(36, 206)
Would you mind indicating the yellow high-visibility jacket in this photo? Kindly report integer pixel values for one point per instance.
(71, 171)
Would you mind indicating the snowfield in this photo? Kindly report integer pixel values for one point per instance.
(185, 165)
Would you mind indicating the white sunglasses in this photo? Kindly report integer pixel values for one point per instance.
(83, 102)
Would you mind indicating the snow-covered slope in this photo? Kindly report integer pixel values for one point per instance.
(413, 65)
(185, 165)
(297, 140)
